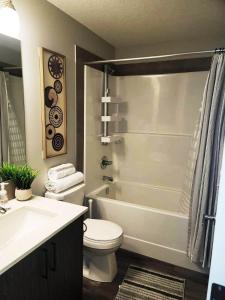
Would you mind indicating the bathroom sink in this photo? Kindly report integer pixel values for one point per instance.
(20, 222)
(28, 225)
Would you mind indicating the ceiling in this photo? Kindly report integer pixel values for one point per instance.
(147, 22)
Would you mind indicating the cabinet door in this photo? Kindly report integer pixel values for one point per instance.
(27, 279)
(66, 263)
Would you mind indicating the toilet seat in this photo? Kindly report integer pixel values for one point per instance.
(102, 234)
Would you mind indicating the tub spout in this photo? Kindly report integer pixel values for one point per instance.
(107, 178)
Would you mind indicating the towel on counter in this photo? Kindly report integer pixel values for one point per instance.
(61, 171)
(62, 184)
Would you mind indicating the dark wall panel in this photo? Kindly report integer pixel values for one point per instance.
(163, 67)
(82, 56)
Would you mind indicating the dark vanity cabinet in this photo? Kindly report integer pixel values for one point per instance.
(51, 272)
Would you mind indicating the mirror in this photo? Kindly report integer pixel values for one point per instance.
(12, 115)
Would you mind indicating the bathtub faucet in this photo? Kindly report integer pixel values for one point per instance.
(105, 162)
(107, 178)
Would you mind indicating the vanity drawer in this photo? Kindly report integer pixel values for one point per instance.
(53, 271)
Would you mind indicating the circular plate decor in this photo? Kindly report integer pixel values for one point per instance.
(51, 97)
(57, 142)
(58, 86)
(50, 131)
(55, 66)
(56, 116)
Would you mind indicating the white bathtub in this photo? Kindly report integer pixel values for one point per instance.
(150, 228)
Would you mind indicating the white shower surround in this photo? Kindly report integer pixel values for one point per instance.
(150, 198)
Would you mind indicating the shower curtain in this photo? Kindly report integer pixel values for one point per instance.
(4, 135)
(12, 143)
(209, 142)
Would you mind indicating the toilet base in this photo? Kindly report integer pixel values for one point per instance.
(102, 268)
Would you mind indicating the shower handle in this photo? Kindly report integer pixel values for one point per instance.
(105, 162)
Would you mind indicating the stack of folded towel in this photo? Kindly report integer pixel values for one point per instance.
(63, 177)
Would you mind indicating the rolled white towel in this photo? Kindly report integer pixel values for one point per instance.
(64, 183)
(61, 171)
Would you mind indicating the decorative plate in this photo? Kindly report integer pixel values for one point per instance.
(55, 66)
(51, 97)
(58, 86)
(56, 116)
(50, 131)
(57, 142)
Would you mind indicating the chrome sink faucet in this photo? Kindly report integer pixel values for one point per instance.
(2, 210)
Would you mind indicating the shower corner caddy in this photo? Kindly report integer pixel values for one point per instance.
(111, 139)
(109, 99)
(105, 119)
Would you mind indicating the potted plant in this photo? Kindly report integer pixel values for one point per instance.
(7, 172)
(23, 178)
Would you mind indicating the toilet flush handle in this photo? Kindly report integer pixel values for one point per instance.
(84, 227)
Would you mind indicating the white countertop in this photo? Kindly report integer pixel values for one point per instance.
(62, 214)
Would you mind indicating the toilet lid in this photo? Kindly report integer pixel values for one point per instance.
(102, 230)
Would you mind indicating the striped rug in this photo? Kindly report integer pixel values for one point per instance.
(146, 284)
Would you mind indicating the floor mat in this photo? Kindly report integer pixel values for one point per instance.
(147, 284)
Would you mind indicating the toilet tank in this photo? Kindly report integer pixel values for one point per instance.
(73, 195)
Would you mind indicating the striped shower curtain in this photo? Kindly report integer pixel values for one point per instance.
(12, 142)
(4, 134)
(209, 141)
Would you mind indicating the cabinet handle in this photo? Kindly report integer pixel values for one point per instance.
(53, 262)
(45, 264)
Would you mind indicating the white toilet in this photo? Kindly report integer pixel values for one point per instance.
(101, 239)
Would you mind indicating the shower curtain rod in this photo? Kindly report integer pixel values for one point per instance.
(156, 57)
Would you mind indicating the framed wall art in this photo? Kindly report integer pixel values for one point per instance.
(53, 90)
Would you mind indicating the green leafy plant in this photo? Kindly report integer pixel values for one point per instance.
(24, 176)
(7, 171)
(21, 176)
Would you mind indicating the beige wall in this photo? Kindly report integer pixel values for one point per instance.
(44, 25)
(169, 47)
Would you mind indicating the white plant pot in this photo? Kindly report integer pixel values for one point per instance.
(23, 195)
